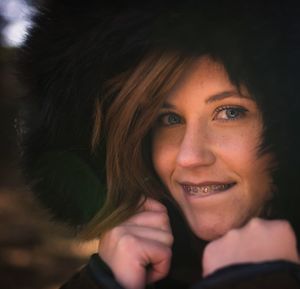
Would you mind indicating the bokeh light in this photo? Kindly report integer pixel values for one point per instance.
(15, 18)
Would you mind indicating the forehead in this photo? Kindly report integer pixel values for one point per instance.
(207, 79)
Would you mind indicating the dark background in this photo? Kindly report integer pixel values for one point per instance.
(34, 252)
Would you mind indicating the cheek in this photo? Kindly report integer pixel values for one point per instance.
(161, 159)
(239, 153)
(260, 178)
(164, 151)
(237, 149)
(253, 171)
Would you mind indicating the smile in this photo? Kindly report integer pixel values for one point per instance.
(206, 189)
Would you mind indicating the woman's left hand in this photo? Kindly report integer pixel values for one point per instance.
(258, 241)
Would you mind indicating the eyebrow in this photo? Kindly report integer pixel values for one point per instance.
(214, 97)
(225, 94)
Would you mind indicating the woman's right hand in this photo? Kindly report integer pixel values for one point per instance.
(139, 250)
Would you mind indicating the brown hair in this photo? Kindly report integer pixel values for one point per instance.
(123, 120)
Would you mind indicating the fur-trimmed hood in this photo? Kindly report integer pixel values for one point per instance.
(75, 47)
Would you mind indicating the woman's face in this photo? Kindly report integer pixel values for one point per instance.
(204, 150)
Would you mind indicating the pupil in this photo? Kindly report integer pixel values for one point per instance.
(232, 113)
(173, 119)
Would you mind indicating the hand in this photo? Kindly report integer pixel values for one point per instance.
(139, 250)
(257, 241)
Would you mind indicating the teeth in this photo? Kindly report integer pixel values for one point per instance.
(195, 190)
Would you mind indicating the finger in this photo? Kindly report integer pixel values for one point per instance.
(158, 256)
(156, 235)
(159, 220)
(159, 270)
(152, 205)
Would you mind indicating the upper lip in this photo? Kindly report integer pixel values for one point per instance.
(206, 183)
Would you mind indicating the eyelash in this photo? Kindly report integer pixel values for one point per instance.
(241, 110)
(165, 114)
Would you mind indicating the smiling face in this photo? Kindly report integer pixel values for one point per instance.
(204, 149)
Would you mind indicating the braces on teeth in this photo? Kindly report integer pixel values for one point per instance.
(205, 189)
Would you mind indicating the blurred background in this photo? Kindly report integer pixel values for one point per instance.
(34, 252)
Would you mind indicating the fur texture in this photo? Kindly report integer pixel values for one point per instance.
(74, 48)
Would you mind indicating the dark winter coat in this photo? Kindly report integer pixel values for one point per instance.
(186, 269)
(273, 275)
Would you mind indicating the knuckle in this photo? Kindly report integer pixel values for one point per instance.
(231, 234)
(160, 207)
(164, 216)
(167, 253)
(255, 222)
(111, 236)
(127, 242)
(116, 233)
(170, 239)
(164, 219)
(155, 205)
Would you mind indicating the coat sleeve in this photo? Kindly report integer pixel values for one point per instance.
(267, 275)
(95, 275)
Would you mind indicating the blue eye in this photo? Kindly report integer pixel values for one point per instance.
(169, 118)
(230, 112)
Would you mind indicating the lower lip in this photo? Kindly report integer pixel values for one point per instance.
(191, 193)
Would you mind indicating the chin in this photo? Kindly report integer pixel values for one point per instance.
(211, 231)
(208, 235)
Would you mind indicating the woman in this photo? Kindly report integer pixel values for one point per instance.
(191, 117)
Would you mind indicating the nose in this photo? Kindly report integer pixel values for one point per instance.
(196, 148)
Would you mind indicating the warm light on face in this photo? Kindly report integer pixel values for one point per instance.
(204, 149)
